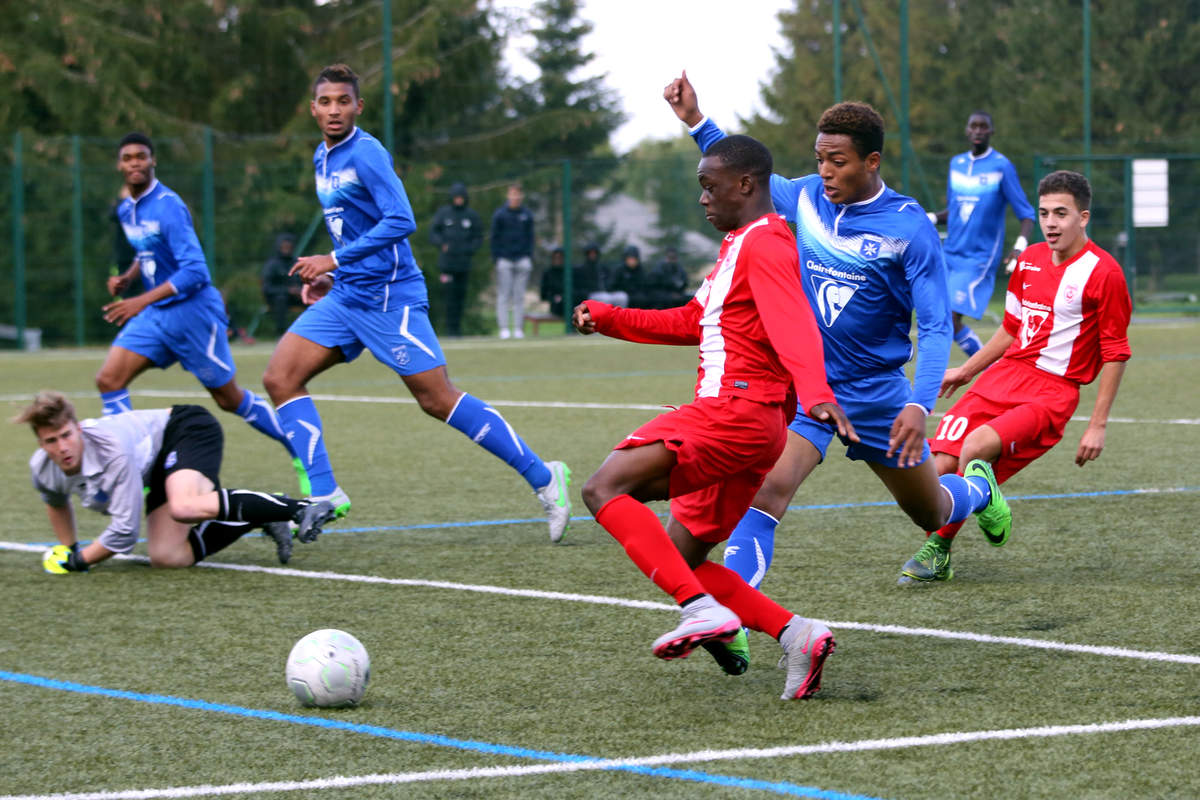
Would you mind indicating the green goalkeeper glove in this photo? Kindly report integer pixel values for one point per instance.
(61, 559)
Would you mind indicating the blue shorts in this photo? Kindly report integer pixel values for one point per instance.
(872, 405)
(971, 285)
(402, 339)
(192, 332)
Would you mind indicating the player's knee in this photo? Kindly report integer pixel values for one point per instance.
(173, 559)
(106, 381)
(278, 387)
(437, 403)
(226, 403)
(185, 509)
(773, 496)
(596, 493)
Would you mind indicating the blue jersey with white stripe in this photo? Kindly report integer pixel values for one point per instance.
(159, 227)
(977, 190)
(866, 267)
(369, 218)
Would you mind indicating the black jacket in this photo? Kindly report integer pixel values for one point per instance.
(512, 232)
(457, 232)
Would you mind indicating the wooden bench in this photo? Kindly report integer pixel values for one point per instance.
(535, 320)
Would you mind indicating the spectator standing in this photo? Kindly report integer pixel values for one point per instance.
(629, 279)
(281, 291)
(512, 250)
(666, 285)
(457, 232)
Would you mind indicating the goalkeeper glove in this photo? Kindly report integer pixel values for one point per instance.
(61, 559)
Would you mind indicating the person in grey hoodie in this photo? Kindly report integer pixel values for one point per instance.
(457, 232)
(512, 250)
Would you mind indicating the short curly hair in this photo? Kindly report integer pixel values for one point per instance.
(859, 121)
(745, 155)
(1064, 181)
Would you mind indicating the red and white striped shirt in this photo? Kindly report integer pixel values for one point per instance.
(1070, 318)
(750, 317)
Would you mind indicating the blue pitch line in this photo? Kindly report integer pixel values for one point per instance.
(427, 738)
(424, 526)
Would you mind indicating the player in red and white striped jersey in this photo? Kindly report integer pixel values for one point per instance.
(760, 353)
(1066, 318)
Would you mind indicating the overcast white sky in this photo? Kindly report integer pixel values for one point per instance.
(726, 46)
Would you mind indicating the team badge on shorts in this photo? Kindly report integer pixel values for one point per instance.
(172, 457)
(400, 353)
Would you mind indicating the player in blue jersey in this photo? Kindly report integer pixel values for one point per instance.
(981, 182)
(181, 316)
(369, 293)
(868, 259)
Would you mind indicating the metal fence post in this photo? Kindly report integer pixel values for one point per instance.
(18, 242)
(77, 235)
(1130, 254)
(568, 283)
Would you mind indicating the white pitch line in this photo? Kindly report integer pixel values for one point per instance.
(184, 394)
(592, 765)
(538, 594)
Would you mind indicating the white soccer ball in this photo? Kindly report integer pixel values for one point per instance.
(329, 669)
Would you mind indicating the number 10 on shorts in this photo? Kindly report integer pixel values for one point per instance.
(952, 428)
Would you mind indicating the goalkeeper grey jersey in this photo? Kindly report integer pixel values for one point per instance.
(118, 453)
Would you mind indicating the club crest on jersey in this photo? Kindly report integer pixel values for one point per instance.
(870, 248)
(832, 297)
(171, 460)
(1031, 323)
(400, 354)
(1069, 292)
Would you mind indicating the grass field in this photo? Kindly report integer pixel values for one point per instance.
(1064, 665)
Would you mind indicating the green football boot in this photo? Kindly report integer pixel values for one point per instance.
(995, 519)
(732, 656)
(930, 563)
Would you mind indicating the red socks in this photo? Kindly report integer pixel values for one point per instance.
(949, 531)
(647, 544)
(753, 608)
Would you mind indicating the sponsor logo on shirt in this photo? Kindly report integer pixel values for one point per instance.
(816, 266)
(832, 297)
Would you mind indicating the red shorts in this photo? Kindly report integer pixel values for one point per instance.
(1027, 407)
(724, 448)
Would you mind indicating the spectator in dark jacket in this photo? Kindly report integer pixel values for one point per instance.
(594, 280)
(512, 250)
(630, 279)
(280, 290)
(666, 285)
(457, 232)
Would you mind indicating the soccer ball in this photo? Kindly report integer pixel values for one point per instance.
(329, 669)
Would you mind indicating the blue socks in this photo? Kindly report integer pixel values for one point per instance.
(967, 495)
(483, 425)
(748, 551)
(262, 418)
(116, 402)
(302, 426)
(968, 340)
